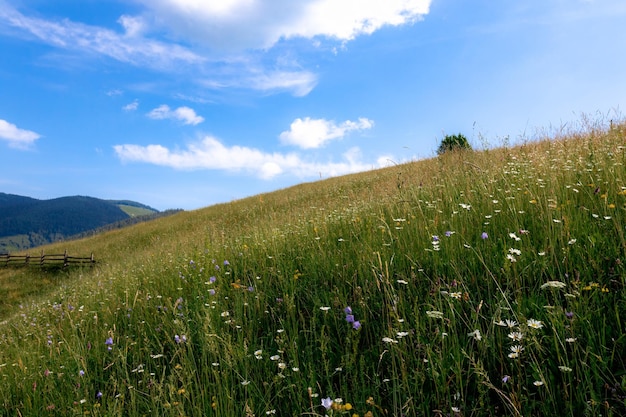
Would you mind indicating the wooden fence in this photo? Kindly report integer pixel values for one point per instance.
(46, 260)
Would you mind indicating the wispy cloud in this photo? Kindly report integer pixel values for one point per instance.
(132, 106)
(211, 154)
(16, 137)
(183, 114)
(312, 133)
(69, 35)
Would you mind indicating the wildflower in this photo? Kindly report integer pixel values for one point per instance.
(347, 310)
(356, 325)
(401, 281)
(275, 357)
(571, 241)
(475, 334)
(282, 365)
(505, 379)
(570, 339)
(400, 335)
(109, 343)
(538, 383)
(484, 235)
(514, 236)
(516, 336)
(514, 251)
(435, 239)
(554, 284)
(350, 318)
(244, 383)
(456, 295)
(327, 403)
(211, 291)
(258, 353)
(565, 368)
(534, 324)
(226, 263)
(389, 340)
(81, 373)
(515, 351)
(449, 233)
(324, 308)
(511, 258)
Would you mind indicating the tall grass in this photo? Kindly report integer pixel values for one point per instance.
(472, 284)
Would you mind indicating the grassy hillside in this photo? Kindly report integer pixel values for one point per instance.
(472, 284)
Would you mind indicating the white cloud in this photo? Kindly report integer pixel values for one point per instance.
(17, 138)
(226, 40)
(134, 105)
(262, 23)
(184, 114)
(312, 133)
(211, 154)
(126, 47)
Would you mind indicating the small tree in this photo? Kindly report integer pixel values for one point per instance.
(453, 142)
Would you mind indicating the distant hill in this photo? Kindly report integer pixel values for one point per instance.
(26, 222)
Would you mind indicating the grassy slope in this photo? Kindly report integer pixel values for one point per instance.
(364, 241)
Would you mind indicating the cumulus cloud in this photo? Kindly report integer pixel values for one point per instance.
(310, 133)
(184, 114)
(211, 154)
(16, 137)
(262, 23)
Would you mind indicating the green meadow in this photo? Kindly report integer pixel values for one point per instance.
(476, 283)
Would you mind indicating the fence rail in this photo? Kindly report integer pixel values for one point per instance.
(46, 260)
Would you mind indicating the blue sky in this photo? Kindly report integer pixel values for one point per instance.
(188, 103)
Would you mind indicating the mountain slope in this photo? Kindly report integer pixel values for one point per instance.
(26, 222)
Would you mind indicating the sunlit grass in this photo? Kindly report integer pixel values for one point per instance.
(482, 283)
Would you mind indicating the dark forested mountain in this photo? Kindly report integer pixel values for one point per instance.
(26, 222)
